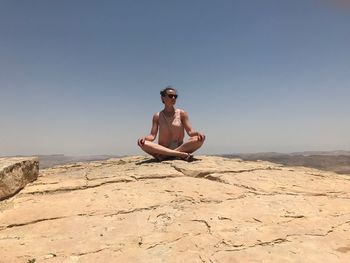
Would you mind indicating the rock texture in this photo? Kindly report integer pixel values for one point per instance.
(15, 173)
(210, 210)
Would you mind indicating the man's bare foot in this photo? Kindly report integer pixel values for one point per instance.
(188, 157)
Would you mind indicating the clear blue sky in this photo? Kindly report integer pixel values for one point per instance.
(83, 77)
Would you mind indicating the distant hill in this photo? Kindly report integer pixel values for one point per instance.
(335, 161)
(46, 161)
(331, 153)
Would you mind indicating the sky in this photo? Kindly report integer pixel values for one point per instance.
(82, 77)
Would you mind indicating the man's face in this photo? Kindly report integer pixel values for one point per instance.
(170, 97)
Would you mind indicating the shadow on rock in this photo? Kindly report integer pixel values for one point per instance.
(154, 160)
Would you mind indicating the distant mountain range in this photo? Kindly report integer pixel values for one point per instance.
(46, 161)
(307, 153)
(335, 161)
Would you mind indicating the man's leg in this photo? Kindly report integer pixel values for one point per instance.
(160, 152)
(191, 145)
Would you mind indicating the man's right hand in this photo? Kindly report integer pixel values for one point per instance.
(141, 141)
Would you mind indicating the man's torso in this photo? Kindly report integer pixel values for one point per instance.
(171, 130)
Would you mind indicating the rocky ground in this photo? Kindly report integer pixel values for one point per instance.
(211, 210)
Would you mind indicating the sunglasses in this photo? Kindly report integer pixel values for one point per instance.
(172, 96)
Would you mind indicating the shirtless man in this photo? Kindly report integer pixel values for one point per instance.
(171, 123)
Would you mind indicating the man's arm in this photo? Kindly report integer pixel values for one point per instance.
(187, 125)
(154, 130)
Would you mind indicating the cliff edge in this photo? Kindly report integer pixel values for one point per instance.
(211, 210)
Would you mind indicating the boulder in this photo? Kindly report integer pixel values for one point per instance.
(15, 173)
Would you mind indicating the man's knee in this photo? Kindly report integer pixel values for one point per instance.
(146, 145)
(201, 142)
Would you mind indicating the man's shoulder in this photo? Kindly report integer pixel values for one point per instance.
(156, 115)
(182, 112)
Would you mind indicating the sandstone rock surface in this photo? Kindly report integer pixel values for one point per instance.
(15, 173)
(210, 210)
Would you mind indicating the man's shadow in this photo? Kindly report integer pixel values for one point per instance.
(154, 160)
(151, 160)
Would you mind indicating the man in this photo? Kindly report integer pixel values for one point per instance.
(171, 123)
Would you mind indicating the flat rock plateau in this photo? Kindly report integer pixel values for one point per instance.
(213, 209)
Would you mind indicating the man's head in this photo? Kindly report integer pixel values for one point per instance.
(168, 93)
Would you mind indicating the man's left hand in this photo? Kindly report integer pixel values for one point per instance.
(201, 136)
